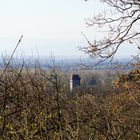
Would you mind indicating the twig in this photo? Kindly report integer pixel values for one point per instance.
(11, 56)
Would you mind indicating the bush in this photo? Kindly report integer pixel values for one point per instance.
(34, 105)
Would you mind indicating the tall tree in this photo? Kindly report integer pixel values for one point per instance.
(120, 24)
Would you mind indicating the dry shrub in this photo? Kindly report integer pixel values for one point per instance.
(34, 105)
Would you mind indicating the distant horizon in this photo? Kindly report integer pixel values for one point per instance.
(59, 57)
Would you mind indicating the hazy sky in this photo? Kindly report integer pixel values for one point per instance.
(48, 26)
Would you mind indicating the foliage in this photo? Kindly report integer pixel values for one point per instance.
(128, 81)
(35, 105)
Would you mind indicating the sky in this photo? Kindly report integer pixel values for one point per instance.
(48, 26)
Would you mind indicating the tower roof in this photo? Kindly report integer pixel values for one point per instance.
(75, 77)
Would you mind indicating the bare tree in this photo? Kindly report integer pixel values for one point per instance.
(120, 26)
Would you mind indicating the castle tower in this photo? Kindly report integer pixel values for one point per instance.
(74, 81)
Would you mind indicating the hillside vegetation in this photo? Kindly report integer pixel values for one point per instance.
(35, 105)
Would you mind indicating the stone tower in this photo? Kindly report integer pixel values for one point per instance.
(74, 81)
